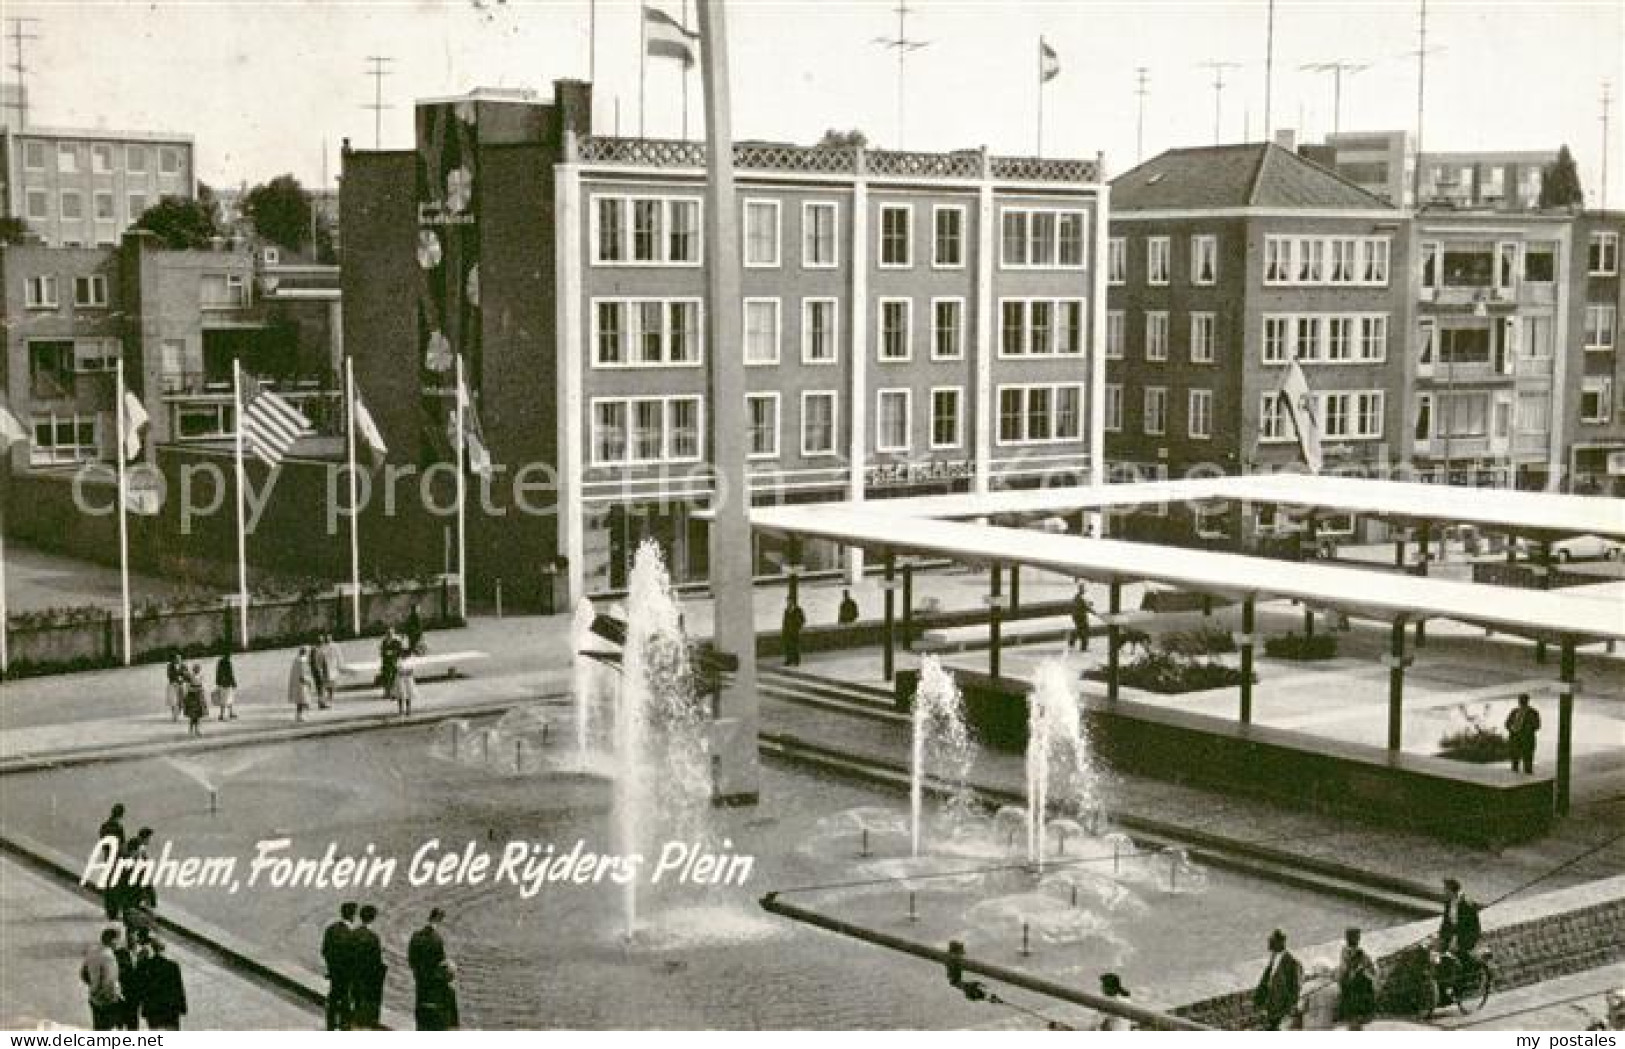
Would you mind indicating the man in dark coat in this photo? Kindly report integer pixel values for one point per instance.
(1081, 610)
(390, 651)
(128, 1015)
(112, 827)
(338, 953)
(1522, 725)
(414, 632)
(163, 992)
(432, 976)
(369, 972)
(1276, 995)
(790, 632)
(848, 613)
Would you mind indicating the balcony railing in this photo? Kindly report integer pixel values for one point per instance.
(836, 160)
(210, 415)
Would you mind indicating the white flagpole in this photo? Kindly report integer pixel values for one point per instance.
(123, 513)
(242, 513)
(355, 511)
(462, 495)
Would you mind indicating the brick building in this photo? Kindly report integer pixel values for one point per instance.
(1594, 398)
(83, 187)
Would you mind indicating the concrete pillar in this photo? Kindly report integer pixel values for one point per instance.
(1543, 575)
(792, 578)
(1396, 684)
(908, 606)
(1245, 640)
(1015, 589)
(1114, 639)
(995, 620)
(1565, 725)
(888, 657)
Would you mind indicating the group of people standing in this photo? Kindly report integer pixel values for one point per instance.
(354, 956)
(185, 692)
(127, 975)
(313, 677)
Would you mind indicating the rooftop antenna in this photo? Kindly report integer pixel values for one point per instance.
(1140, 88)
(1336, 69)
(1421, 98)
(18, 31)
(378, 72)
(1269, 73)
(902, 45)
(1218, 93)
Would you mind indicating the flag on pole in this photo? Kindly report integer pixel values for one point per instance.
(1300, 403)
(1049, 63)
(367, 430)
(135, 419)
(479, 456)
(665, 37)
(271, 425)
(11, 431)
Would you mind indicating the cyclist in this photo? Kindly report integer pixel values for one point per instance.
(1459, 931)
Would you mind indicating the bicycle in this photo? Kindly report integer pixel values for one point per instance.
(1465, 979)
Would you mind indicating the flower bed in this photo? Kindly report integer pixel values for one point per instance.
(1301, 648)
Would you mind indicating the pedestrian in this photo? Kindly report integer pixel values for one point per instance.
(112, 827)
(1522, 724)
(1356, 983)
(128, 956)
(389, 661)
(225, 687)
(406, 685)
(433, 977)
(300, 686)
(414, 632)
(333, 656)
(848, 613)
(135, 890)
(790, 632)
(1081, 610)
(368, 992)
(1111, 986)
(99, 974)
(338, 954)
(175, 691)
(1459, 932)
(193, 705)
(1276, 995)
(163, 992)
(320, 672)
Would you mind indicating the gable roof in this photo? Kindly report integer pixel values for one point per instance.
(1253, 174)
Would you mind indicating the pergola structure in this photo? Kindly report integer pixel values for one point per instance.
(936, 526)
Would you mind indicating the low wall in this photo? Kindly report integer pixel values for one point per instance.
(1527, 576)
(1530, 940)
(1485, 805)
(46, 648)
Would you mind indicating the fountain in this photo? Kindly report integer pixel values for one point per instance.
(941, 744)
(1059, 770)
(210, 772)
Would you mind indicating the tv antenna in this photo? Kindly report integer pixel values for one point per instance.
(17, 29)
(902, 45)
(378, 72)
(1336, 69)
(1218, 92)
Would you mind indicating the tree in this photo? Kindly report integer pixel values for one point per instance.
(1560, 183)
(180, 223)
(280, 212)
(853, 139)
(14, 230)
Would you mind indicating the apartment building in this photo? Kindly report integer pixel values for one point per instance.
(82, 188)
(1225, 264)
(1594, 401)
(913, 322)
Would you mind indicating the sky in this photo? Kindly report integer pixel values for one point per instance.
(263, 84)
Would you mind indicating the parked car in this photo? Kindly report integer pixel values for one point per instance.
(1578, 548)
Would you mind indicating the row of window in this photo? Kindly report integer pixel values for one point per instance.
(63, 439)
(1480, 414)
(1352, 415)
(639, 333)
(1204, 348)
(40, 291)
(68, 154)
(1154, 411)
(1299, 260)
(652, 230)
(1602, 254)
(53, 363)
(71, 205)
(1204, 260)
(1323, 338)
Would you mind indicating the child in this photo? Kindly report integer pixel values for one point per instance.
(193, 705)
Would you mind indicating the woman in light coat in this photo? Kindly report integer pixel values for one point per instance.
(301, 684)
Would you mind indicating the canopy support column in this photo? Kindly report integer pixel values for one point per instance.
(1565, 724)
(1543, 574)
(1114, 639)
(908, 605)
(995, 620)
(1246, 642)
(1396, 684)
(1015, 589)
(888, 660)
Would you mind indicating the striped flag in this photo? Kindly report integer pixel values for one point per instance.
(665, 37)
(1299, 403)
(11, 431)
(271, 425)
(367, 429)
(1049, 63)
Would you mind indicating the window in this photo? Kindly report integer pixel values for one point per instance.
(135, 159)
(1339, 339)
(1422, 430)
(1069, 234)
(1116, 261)
(1602, 255)
(1506, 265)
(1596, 399)
(1534, 412)
(1202, 348)
(1306, 340)
(138, 205)
(630, 430)
(1468, 266)
(1032, 238)
(1430, 252)
(646, 231)
(892, 421)
(761, 331)
(41, 292)
(1275, 336)
(1600, 327)
(90, 291)
(894, 329)
(819, 329)
(1539, 264)
(1041, 327)
(34, 156)
(1374, 338)
(1114, 335)
(169, 160)
(1327, 260)
(762, 425)
(73, 205)
(1342, 261)
(1464, 345)
(1277, 260)
(1156, 410)
(1156, 335)
(1310, 254)
(95, 355)
(1326, 338)
(818, 224)
(39, 204)
(761, 233)
(1040, 414)
(646, 332)
(1204, 259)
(1273, 423)
(1366, 422)
(945, 416)
(818, 423)
(1464, 414)
(1157, 255)
(103, 203)
(948, 236)
(222, 291)
(1113, 420)
(1199, 414)
(1374, 253)
(50, 369)
(60, 439)
(895, 221)
(67, 158)
(101, 159)
(947, 329)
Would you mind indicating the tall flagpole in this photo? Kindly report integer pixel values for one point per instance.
(462, 494)
(123, 512)
(355, 510)
(242, 512)
(687, 67)
(1040, 152)
(643, 61)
